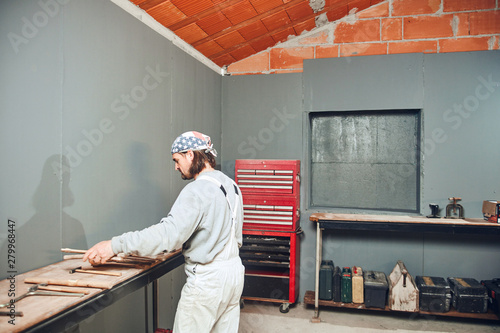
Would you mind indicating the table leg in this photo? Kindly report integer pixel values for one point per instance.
(155, 305)
(319, 249)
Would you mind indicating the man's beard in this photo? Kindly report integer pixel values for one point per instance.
(187, 176)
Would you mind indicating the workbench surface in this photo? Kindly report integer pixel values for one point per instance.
(38, 309)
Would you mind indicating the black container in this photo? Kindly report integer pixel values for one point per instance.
(468, 295)
(493, 288)
(376, 287)
(326, 280)
(337, 284)
(435, 293)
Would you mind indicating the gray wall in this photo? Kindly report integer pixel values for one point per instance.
(459, 149)
(90, 102)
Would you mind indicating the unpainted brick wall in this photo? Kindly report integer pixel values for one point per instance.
(390, 27)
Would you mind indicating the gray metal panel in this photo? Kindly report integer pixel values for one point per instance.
(261, 118)
(356, 83)
(365, 160)
(461, 117)
(96, 86)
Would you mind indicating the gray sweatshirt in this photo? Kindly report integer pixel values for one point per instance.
(199, 222)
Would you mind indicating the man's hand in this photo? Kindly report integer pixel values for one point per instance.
(99, 253)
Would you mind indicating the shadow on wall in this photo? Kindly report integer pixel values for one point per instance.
(144, 203)
(40, 239)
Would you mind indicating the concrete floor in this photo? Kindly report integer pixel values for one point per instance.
(266, 317)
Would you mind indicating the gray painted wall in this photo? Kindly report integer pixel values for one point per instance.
(90, 102)
(459, 149)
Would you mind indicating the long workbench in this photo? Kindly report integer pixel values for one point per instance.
(389, 223)
(58, 313)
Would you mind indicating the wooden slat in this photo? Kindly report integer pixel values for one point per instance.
(39, 308)
(309, 300)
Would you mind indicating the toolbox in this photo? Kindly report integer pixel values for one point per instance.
(357, 285)
(269, 177)
(491, 210)
(326, 280)
(468, 295)
(376, 288)
(271, 267)
(271, 214)
(403, 292)
(263, 212)
(346, 295)
(493, 288)
(337, 284)
(434, 293)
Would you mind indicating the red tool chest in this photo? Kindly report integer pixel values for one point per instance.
(270, 251)
(271, 193)
(268, 177)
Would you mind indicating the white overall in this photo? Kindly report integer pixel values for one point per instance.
(210, 299)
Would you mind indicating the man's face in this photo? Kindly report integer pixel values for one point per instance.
(183, 163)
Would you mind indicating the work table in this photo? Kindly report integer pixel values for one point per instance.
(55, 313)
(389, 223)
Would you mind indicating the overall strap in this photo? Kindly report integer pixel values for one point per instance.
(219, 184)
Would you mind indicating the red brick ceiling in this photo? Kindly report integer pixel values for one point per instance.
(226, 31)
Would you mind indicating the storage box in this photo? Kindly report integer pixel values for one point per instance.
(271, 212)
(493, 288)
(435, 293)
(468, 295)
(491, 210)
(346, 296)
(271, 177)
(326, 280)
(337, 284)
(376, 287)
(357, 285)
(403, 292)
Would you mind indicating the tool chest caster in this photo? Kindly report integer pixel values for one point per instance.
(284, 307)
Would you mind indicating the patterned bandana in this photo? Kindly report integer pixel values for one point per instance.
(193, 141)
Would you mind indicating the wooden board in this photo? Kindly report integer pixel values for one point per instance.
(38, 308)
(309, 300)
(315, 217)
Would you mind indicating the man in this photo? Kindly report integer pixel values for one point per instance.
(206, 221)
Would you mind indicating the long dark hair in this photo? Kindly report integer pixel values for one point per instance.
(199, 159)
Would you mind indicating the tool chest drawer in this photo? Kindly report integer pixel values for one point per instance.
(259, 252)
(268, 176)
(271, 261)
(270, 213)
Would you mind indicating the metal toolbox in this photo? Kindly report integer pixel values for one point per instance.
(271, 177)
(271, 261)
(270, 213)
(435, 293)
(493, 287)
(271, 208)
(376, 288)
(468, 295)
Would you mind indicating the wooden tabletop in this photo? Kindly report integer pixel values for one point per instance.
(404, 223)
(38, 308)
(315, 217)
